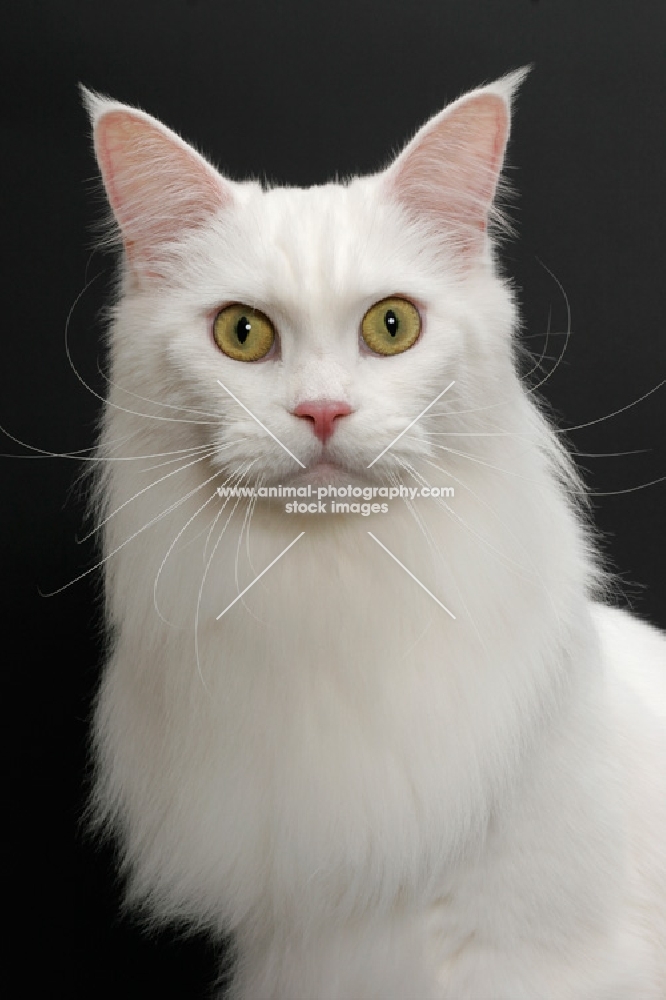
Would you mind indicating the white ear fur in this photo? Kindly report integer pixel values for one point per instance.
(450, 170)
(157, 185)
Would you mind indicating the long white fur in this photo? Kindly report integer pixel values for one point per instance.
(379, 801)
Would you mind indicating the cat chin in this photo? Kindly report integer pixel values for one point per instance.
(324, 473)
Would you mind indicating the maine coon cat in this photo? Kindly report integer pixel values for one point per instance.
(383, 796)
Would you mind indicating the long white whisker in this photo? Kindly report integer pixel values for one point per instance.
(145, 489)
(152, 521)
(535, 388)
(77, 456)
(629, 489)
(235, 478)
(160, 465)
(173, 461)
(567, 335)
(247, 536)
(539, 360)
(550, 333)
(487, 465)
(205, 528)
(246, 520)
(153, 402)
(182, 531)
(203, 581)
(150, 416)
(570, 489)
(527, 437)
(622, 409)
(168, 553)
(102, 399)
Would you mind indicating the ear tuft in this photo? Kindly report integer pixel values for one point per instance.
(93, 102)
(507, 86)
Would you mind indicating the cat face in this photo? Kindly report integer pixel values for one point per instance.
(354, 304)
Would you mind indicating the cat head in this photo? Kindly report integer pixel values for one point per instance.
(310, 325)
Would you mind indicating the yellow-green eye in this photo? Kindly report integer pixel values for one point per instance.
(391, 326)
(242, 333)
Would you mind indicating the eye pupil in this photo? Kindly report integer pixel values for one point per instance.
(243, 327)
(391, 322)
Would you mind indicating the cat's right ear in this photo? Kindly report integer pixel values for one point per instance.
(157, 185)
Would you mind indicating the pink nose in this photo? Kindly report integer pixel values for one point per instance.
(322, 413)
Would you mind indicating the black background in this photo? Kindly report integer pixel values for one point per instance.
(297, 91)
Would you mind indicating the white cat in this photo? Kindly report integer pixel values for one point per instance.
(384, 796)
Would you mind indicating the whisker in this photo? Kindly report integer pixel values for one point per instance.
(168, 553)
(145, 489)
(181, 532)
(102, 399)
(629, 489)
(543, 357)
(153, 402)
(205, 528)
(153, 520)
(195, 450)
(238, 473)
(487, 465)
(82, 478)
(483, 434)
(567, 336)
(535, 388)
(248, 515)
(203, 581)
(572, 490)
(526, 437)
(77, 456)
(543, 352)
(588, 423)
(247, 536)
(611, 454)
(622, 409)
(549, 333)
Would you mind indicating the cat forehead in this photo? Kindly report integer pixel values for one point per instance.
(323, 244)
(329, 212)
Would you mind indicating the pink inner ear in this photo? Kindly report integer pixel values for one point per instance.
(158, 186)
(452, 166)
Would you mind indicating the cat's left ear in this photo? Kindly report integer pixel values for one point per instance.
(448, 174)
(158, 186)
